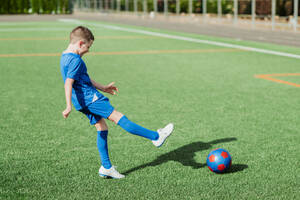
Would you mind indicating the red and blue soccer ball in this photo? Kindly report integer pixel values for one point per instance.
(218, 160)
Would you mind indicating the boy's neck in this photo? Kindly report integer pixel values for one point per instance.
(72, 49)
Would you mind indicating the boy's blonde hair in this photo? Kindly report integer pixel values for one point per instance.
(81, 33)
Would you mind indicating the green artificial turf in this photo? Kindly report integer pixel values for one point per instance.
(213, 98)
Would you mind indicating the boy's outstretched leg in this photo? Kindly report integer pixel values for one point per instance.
(106, 170)
(158, 137)
(163, 134)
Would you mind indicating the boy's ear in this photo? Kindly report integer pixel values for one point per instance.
(81, 43)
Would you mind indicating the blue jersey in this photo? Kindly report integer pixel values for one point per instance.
(83, 91)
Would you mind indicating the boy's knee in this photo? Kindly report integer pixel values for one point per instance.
(115, 116)
(101, 125)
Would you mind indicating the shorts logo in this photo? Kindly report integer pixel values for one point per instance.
(95, 98)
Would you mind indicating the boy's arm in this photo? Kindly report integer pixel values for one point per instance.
(110, 88)
(68, 93)
(97, 85)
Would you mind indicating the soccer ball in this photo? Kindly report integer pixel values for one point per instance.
(218, 160)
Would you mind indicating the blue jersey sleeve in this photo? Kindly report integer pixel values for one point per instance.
(74, 69)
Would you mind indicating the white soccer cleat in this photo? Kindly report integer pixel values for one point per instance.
(110, 173)
(163, 134)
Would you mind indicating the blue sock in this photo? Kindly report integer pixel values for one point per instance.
(102, 147)
(135, 129)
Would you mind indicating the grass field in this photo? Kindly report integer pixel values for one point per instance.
(210, 93)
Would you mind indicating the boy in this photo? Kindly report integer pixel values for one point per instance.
(84, 94)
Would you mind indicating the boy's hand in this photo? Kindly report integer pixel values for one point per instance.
(66, 112)
(110, 88)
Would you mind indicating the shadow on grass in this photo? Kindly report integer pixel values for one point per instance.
(236, 168)
(185, 156)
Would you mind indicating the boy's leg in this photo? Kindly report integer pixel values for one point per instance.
(131, 127)
(104, 109)
(102, 131)
(106, 170)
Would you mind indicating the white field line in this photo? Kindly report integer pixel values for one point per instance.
(222, 44)
(74, 21)
(33, 29)
(20, 23)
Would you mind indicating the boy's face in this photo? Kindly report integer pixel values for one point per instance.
(84, 47)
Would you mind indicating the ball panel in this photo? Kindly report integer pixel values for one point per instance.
(212, 158)
(221, 167)
(224, 154)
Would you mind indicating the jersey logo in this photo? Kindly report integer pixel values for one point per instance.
(95, 98)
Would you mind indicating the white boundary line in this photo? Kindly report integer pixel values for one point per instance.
(19, 23)
(33, 29)
(222, 44)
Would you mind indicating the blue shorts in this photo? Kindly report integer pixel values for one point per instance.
(97, 110)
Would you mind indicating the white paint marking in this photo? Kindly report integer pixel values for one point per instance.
(222, 44)
(20, 23)
(75, 21)
(33, 29)
(201, 41)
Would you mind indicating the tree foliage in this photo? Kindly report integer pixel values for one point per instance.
(36, 6)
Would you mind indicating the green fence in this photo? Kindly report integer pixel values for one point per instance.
(36, 6)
